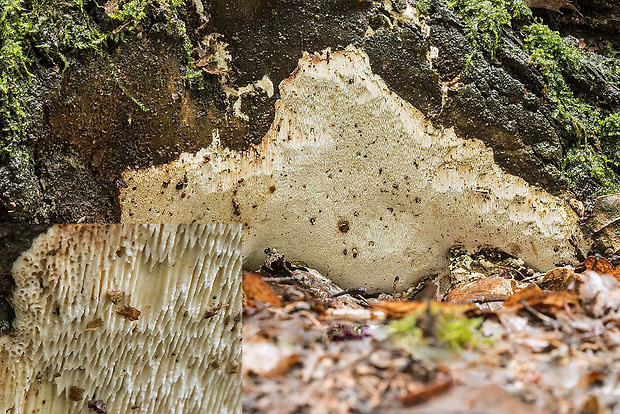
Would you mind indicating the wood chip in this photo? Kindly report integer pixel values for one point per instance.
(255, 289)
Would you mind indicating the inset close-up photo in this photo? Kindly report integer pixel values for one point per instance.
(120, 319)
(422, 198)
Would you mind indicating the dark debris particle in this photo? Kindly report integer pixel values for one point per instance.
(115, 296)
(7, 315)
(129, 312)
(98, 406)
(214, 309)
(343, 226)
(236, 207)
(76, 393)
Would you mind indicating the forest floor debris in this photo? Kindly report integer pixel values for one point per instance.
(513, 342)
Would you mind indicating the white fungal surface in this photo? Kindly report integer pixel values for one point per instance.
(78, 338)
(344, 148)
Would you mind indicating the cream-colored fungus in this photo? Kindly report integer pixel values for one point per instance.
(344, 148)
(126, 319)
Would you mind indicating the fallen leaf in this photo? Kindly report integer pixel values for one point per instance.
(283, 366)
(589, 379)
(398, 309)
(556, 300)
(255, 289)
(543, 301)
(427, 392)
(602, 266)
(266, 359)
(529, 293)
(462, 399)
(561, 278)
(482, 290)
(599, 265)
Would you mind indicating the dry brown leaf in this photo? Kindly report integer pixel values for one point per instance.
(283, 366)
(463, 399)
(554, 5)
(588, 379)
(544, 301)
(397, 309)
(427, 392)
(561, 278)
(529, 293)
(602, 266)
(555, 300)
(255, 289)
(482, 290)
(599, 265)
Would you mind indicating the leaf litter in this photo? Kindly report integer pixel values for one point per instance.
(495, 337)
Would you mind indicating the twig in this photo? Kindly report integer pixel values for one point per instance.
(549, 321)
(527, 279)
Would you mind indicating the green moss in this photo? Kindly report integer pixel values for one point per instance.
(594, 139)
(14, 63)
(553, 56)
(40, 32)
(437, 328)
(609, 135)
(486, 18)
(423, 6)
(584, 165)
(593, 149)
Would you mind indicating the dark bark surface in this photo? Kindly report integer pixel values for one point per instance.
(15, 238)
(89, 124)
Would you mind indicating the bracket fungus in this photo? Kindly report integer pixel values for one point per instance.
(110, 318)
(353, 180)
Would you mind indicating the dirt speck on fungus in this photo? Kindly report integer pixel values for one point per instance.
(129, 312)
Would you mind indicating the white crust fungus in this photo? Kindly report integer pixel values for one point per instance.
(344, 148)
(119, 319)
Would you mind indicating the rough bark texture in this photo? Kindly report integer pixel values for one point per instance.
(132, 108)
(15, 238)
